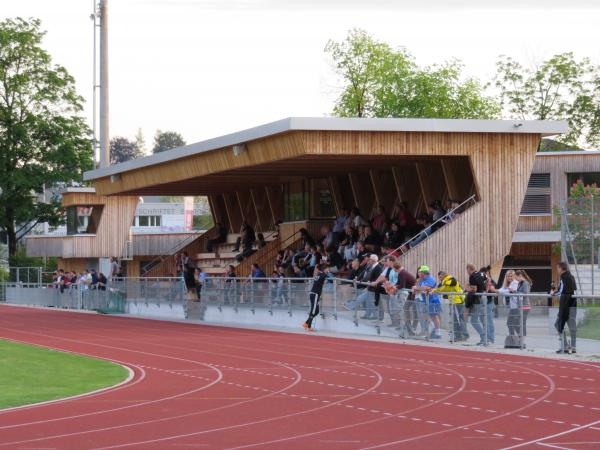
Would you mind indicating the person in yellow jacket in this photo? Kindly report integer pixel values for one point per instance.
(447, 286)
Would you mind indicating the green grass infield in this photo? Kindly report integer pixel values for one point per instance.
(30, 374)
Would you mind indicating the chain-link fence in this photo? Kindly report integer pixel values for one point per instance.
(580, 240)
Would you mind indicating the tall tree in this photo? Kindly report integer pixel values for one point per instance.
(166, 140)
(561, 87)
(44, 140)
(383, 82)
(122, 150)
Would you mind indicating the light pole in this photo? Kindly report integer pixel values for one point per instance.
(100, 127)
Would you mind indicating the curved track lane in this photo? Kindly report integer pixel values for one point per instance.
(211, 387)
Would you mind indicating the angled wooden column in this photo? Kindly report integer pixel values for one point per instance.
(425, 194)
(275, 201)
(334, 188)
(449, 179)
(362, 191)
(247, 207)
(397, 177)
(263, 210)
(215, 211)
(233, 212)
(375, 184)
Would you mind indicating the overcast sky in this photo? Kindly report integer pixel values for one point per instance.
(208, 67)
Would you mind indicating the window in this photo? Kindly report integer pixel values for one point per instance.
(148, 221)
(537, 198)
(295, 201)
(82, 219)
(321, 204)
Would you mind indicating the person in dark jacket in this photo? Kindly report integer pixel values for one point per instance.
(567, 310)
(368, 282)
(319, 278)
(220, 237)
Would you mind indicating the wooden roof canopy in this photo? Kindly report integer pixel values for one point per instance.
(313, 147)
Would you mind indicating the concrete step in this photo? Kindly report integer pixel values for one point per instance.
(205, 255)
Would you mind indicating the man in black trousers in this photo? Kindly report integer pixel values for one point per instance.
(319, 277)
(567, 310)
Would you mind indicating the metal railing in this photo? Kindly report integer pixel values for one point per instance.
(444, 220)
(118, 296)
(180, 246)
(511, 320)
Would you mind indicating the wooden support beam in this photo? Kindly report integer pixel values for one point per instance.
(375, 184)
(233, 212)
(263, 214)
(397, 183)
(423, 184)
(270, 203)
(449, 179)
(334, 188)
(354, 189)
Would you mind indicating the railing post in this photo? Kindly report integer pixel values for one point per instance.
(522, 323)
(484, 300)
(592, 243)
(334, 293)
(290, 297)
(453, 324)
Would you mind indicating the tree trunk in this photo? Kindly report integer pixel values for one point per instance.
(11, 233)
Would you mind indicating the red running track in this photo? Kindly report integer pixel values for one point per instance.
(211, 387)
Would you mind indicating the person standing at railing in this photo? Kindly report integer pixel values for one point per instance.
(567, 310)
(102, 282)
(368, 284)
(402, 281)
(510, 286)
(525, 284)
(489, 303)
(319, 278)
(428, 303)
(450, 287)
(473, 303)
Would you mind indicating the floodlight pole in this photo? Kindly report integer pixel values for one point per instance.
(104, 129)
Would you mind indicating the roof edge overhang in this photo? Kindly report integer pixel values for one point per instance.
(541, 127)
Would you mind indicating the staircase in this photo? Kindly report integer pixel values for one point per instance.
(165, 265)
(267, 256)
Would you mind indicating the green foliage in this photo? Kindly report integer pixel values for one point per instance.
(204, 222)
(122, 150)
(554, 145)
(44, 140)
(383, 82)
(589, 328)
(561, 87)
(20, 259)
(30, 374)
(583, 216)
(166, 140)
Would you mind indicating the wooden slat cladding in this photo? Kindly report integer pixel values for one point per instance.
(531, 249)
(261, 151)
(111, 234)
(558, 166)
(82, 199)
(501, 164)
(535, 223)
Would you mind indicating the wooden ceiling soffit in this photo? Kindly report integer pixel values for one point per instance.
(273, 148)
